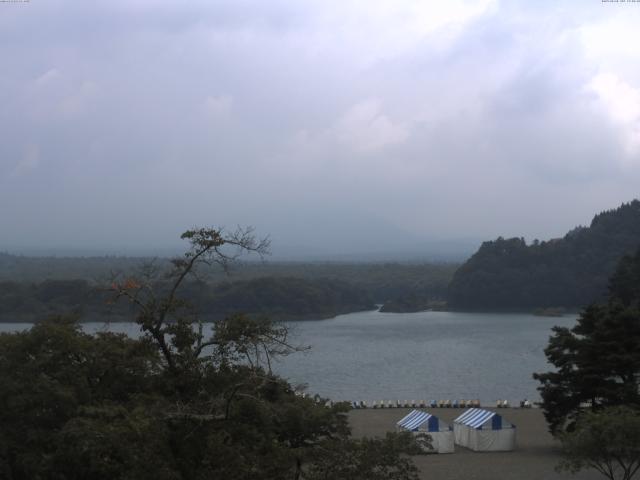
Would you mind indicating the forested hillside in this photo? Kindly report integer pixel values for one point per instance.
(566, 272)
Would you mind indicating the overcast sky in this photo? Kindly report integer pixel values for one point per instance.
(333, 124)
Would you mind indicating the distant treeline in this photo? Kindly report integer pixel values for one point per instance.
(19, 268)
(567, 272)
(504, 274)
(280, 298)
(383, 279)
(282, 290)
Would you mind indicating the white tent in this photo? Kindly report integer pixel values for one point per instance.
(420, 422)
(484, 431)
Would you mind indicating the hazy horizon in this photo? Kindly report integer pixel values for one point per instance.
(455, 250)
(337, 128)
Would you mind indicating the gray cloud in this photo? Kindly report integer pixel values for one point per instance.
(337, 125)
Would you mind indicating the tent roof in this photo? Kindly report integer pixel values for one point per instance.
(414, 420)
(475, 417)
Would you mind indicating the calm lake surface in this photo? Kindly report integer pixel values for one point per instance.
(416, 356)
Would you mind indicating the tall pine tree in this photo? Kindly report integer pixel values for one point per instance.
(597, 361)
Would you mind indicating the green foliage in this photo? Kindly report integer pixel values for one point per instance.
(75, 406)
(49, 374)
(567, 272)
(175, 404)
(608, 441)
(597, 361)
(624, 285)
(367, 459)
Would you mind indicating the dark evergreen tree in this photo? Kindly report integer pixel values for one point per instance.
(597, 361)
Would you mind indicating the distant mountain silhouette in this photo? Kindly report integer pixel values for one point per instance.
(570, 272)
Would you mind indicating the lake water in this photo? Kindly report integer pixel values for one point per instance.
(417, 356)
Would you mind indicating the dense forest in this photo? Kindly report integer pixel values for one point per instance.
(32, 287)
(566, 272)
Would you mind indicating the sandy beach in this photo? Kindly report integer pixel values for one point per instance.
(535, 456)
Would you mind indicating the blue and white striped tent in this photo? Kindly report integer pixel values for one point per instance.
(484, 431)
(419, 422)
